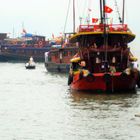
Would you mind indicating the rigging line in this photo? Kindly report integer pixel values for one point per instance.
(84, 11)
(117, 10)
(68, 9)
(89, 4)
(89, 12)
(84, 7)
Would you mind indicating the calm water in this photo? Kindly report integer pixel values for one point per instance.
(37, 105)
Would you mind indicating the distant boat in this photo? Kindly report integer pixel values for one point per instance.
(104, 62)
(20, 49)
(30, 64)
(58, 59)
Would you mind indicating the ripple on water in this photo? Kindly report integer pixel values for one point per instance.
(38, 105)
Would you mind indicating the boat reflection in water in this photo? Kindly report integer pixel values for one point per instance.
(105, 102)
(105, 116)
(89, 96)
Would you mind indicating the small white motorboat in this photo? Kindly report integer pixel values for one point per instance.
(30, 64)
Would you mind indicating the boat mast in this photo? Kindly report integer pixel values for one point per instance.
(101, 11)
(73, 16)
(104, 19)
(123, 12)
(105, 34)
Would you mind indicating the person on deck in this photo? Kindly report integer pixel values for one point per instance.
(82, 64)
(31, 58)
(31, 61)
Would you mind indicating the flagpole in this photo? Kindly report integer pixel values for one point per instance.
(105, 35)
(101, 12)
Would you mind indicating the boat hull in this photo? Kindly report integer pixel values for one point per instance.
(30, 67)
(104, 82)
(57, 67)
(23, 54)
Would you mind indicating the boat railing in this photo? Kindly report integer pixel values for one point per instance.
(100, 28)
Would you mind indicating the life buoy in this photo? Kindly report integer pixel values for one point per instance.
(23, 45)
(80, 75)
(90, 77)
(138, 80)
(76, 59)
(70, 79)
(40, 43)
(107, 78)
(132, 58)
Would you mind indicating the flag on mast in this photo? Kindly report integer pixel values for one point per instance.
(94, 20)
(107, 9)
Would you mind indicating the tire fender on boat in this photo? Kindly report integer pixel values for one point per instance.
(90, 77)
(138, 81)
(80, 75)
(107, 77)
(70, 79)
(23, 45)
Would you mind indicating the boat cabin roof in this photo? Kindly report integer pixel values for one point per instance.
(117, 32)
(63, 49)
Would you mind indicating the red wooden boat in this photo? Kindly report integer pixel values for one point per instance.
(58, 59)
(104, 60)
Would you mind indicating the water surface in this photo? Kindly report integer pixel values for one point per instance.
(38, 105)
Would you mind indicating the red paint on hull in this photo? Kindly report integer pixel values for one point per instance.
(108, 82)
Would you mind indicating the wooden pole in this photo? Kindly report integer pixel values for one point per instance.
(123, 12)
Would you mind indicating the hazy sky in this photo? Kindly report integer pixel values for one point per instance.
(45, 17)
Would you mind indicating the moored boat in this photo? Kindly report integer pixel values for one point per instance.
(21, 48)
(30, 64)
(58, 59)
(105, 61)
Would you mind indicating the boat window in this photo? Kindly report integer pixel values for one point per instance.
(69, 53)
(65, 53)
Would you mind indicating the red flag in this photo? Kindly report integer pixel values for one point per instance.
(107, 9)
(94, 20)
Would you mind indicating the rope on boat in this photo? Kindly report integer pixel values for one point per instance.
(67, 16)
(117, 10)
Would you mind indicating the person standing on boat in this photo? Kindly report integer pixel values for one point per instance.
(31, 59)
(134, 64)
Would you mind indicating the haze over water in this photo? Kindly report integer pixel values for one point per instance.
(38, 105)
